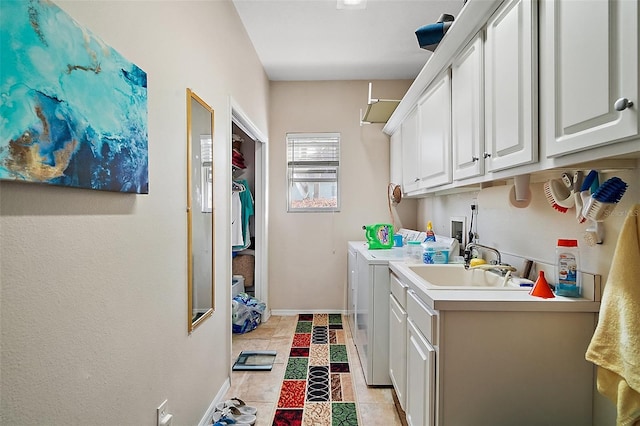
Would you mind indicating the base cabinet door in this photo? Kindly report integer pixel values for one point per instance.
(589, 66)
(421, 369)
(398, 349)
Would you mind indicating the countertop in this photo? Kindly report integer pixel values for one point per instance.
(499, 299)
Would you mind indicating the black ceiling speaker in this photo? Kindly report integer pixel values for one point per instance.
(430, 35)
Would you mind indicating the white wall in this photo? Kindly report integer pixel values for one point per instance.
(533, 231)
(308, 251)
(94, 309)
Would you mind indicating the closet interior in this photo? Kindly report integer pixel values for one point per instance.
(243, 211)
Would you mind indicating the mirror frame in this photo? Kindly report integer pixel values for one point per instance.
(191, 323)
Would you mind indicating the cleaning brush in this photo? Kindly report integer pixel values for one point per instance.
(578, 177)
(558, 195)
(603, 201)
(584, 193)
(611, 191)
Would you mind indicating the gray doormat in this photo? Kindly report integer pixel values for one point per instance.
(255, 361)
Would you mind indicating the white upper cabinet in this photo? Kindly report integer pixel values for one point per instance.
(467, 111)
(589, 66)
(511, 89)
(395, 157)
(434, 137)
(410, 152)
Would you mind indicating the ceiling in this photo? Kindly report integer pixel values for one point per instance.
(314, 40)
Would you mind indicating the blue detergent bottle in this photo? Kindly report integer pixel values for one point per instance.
(379, 236)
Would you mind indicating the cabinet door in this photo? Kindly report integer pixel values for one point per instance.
(590, 60)
(409, 129)
(398, 349)
(395, 157)
(511, 90)
(421, 370)
(467, 111)
(434, 127)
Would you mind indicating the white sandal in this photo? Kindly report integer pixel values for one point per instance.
(239, 404)
(234, 414)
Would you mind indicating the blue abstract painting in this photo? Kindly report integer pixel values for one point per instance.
(73, 111)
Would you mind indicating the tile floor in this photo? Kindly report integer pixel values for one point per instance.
(262, 389)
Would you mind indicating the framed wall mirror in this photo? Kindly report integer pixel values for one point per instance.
(200, 211)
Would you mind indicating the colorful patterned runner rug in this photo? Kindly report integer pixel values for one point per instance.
(317, 388)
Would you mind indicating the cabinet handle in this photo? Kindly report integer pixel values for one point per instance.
(417, 180)
(487, 155)
(622, 104)
(474, 159)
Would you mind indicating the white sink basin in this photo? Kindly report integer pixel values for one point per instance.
(455, 276)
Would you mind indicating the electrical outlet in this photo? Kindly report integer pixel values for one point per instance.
(164, 418)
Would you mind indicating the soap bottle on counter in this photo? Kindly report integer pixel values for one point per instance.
(567, 269)
(431, 236)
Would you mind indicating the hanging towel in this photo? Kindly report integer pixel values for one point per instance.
(615, 346)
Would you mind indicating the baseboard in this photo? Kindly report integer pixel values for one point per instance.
(290, 312)
(207, 418)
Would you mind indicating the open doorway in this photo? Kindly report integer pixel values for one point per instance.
(249, 168)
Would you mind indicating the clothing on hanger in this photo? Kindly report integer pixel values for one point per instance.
(237, 187)
(237, 238)
(246, 210)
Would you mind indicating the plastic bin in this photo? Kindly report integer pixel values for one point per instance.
(237, 285)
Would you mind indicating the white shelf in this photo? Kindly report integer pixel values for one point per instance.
(378, 110)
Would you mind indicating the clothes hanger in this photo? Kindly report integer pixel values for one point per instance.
(237, 187)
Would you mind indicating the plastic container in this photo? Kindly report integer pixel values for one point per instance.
(567, 267)
(434, 253)
(237, 285)
(379, 236)
(413, 252)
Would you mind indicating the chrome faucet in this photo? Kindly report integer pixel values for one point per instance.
(467, 253)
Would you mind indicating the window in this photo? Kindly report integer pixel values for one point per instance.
(313, 163)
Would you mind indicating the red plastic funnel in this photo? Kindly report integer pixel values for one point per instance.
(541, 287)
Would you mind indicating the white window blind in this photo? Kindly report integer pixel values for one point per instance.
(313, 164)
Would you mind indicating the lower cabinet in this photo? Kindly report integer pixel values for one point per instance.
(421, 368)
(398, 339)
(493, 367)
